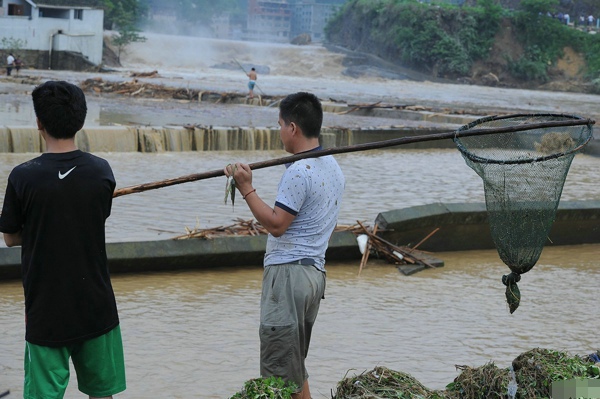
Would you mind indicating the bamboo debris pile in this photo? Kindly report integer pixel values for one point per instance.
(241, 227)
(137, 88)
(152, 74)
(407, 107)
(399, 255)
(409, 260)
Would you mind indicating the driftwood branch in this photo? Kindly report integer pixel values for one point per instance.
(353, 148)
(357, 107)
(426, 238)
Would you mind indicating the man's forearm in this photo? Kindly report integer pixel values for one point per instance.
(275, 220)
(13, 240)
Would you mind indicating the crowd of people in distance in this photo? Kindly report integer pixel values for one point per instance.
(589, 22)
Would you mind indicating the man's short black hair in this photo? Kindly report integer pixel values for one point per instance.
(61, 108)
(304, 109)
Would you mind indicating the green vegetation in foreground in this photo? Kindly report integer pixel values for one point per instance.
(533, 373)
(266, 388)
(446, 40)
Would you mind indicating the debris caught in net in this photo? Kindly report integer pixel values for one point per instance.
(523, 173)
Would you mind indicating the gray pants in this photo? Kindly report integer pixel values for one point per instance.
(291, 295)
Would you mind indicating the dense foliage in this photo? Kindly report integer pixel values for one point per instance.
(446, 40)
(119, 13)
(544, 39)
(441, 39)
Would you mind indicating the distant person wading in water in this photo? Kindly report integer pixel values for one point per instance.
(252, 82)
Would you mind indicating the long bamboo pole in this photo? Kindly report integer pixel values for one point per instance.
(351, 148)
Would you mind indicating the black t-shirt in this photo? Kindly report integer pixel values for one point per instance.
(61, 201)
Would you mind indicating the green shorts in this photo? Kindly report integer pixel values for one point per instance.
(291, 295)
(99, 365)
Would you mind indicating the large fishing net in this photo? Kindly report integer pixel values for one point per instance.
(523, 173)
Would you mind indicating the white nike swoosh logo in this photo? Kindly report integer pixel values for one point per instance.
(62, 176)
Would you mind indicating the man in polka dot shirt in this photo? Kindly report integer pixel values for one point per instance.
(300, 225)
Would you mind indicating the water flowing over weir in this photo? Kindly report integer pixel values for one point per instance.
(150, 139)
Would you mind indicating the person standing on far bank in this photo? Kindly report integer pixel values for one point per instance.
(18, 64)
(299, 225)
(55, 208)
(10, 63)
(252, 82)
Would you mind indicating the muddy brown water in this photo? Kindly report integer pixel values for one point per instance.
(194, 334)
(376, 181)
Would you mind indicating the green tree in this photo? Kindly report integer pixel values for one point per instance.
(539, 6)
(118, 11)
(124, 19)
(124, 37)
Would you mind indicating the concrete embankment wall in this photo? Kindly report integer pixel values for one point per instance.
(465, 226)
(233, 251)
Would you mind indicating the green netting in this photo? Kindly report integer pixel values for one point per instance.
(523, 174)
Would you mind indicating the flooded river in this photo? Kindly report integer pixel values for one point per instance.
(376, 181)
(194, 334)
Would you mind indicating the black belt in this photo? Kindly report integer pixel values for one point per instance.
(304, 262)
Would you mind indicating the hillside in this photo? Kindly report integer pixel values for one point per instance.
(485, 45)
(565, 75)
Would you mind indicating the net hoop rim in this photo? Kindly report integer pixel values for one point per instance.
(577, 120)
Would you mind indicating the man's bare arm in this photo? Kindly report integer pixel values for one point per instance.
(275, 220)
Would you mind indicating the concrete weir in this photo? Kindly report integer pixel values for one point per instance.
(149, 139)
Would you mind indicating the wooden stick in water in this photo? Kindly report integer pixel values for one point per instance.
(365, 257)
(351, 148)
(426, 238)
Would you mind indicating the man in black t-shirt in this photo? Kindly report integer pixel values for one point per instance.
(55, 207)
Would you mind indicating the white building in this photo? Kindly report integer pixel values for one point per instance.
(311, 16)
(54, 26)
(269, 20)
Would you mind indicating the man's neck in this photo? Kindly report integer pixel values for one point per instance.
(307, 145)
(58, 146)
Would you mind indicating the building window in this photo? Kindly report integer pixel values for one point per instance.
(78, 14)
(54, 13)
(15, 9)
